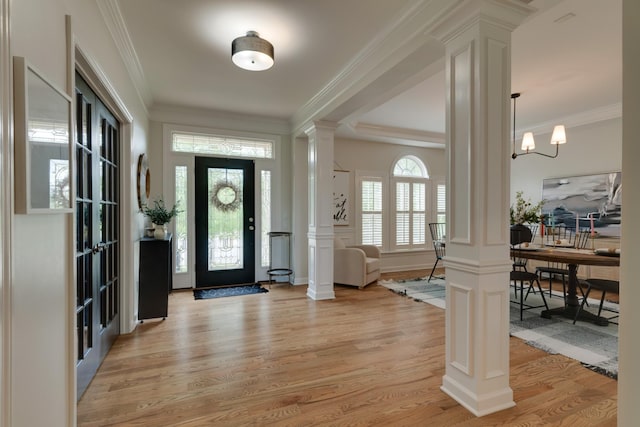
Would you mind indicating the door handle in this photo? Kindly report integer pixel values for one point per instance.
(99, 247)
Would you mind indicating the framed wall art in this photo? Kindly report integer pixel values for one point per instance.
(597, 196)
(341, 197)
(143, 181)
(42, 129)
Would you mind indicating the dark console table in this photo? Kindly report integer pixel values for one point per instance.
(155, 279)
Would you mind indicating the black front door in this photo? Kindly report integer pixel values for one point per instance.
(225, 221)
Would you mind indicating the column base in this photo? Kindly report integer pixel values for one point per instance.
(321, 293)
(478, 405)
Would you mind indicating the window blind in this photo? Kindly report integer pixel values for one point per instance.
(372, 212)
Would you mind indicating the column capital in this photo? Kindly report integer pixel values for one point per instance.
(316, 125)
(507, 14)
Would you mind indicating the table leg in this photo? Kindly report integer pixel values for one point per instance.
(572, 303)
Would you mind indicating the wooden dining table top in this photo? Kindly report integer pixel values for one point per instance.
(570, 256)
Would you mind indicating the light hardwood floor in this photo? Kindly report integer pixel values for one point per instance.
(369, 357)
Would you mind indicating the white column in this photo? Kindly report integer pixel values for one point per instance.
(629, 345)
(320, 198)
(478, 68)
(299, 207)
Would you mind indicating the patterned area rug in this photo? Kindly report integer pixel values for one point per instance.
(231, 291)
(596, 347)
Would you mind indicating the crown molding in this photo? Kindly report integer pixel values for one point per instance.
(438, 139)
(434, 139)
(218, 118)
(91, 71)
(606, 112)
(115, 24)
(419, 22)
(390, 46)
(506, 14)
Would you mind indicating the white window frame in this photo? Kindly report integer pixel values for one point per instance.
(435, 183)
(384, 180)
(393, 213)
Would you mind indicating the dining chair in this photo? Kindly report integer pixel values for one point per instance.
(520, 277)
(555, 236)
(603, 285)
(582, 238)
(438, 230)
(575, 240)
(516, 238)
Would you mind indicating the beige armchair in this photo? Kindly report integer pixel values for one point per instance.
(355, 265)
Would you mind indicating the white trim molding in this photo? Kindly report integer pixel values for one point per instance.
(6, 214)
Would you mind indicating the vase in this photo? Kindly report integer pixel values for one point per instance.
(159, 231)
(520, 233)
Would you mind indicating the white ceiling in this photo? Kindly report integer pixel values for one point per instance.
(566, 61)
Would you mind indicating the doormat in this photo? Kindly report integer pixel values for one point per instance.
(596, 347)
(231, 291)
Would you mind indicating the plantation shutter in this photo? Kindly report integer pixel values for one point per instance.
(372, 212)
(441, 203)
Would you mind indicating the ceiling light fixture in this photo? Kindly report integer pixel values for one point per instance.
(558, 137)
(252, 53)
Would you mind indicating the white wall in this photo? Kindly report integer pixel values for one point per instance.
(162, 162)
(354, 156)
(41, 337)
(590, 149)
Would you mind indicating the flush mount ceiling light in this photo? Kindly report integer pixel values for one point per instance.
(558, 137)
(252, 53)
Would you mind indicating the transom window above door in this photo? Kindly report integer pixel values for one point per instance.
(220, 145)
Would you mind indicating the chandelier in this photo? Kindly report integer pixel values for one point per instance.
(558, 137)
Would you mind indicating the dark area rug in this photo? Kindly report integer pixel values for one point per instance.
(231, 291)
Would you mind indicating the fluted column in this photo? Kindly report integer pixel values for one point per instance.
(477, 42)
(320, 163)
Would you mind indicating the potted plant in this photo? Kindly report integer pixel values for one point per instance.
(160, 216)
(524, 212)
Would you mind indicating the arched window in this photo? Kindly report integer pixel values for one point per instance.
(410, 179)
(410, 166)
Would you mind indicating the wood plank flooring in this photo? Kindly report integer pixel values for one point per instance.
(367, 358)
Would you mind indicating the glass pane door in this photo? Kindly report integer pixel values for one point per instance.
(224, 219)
(225, 226)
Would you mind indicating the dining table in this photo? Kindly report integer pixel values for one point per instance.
(572, 258)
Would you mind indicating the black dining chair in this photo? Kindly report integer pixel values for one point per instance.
(519, 277)
(603, 285)
(556, 236)
(516, 237)
(438, 230)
